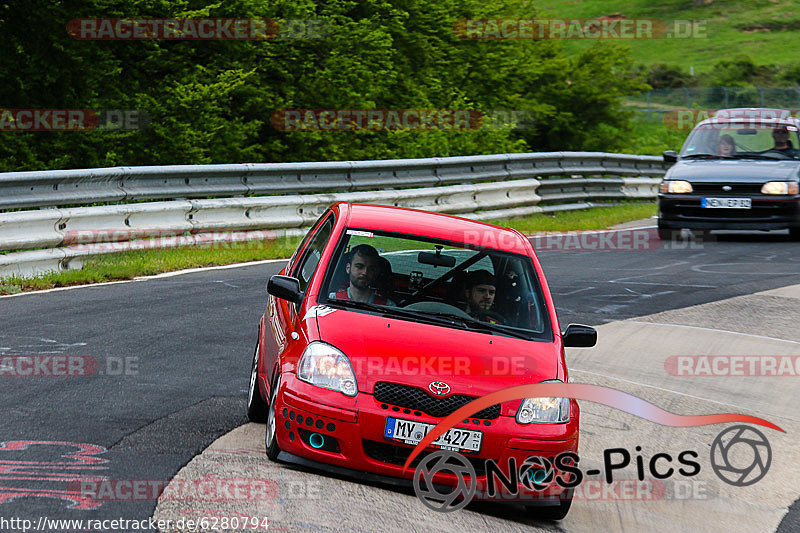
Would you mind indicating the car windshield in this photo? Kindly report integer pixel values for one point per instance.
(446, 283)
(742, 141)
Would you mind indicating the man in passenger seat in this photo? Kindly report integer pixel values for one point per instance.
(363, 269)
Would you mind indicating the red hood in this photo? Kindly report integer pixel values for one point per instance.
(411, 353)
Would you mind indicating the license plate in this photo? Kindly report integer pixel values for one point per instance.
(727, 203)
(412, 432)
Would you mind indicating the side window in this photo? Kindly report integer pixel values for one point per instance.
(311, 256)
(291, 269)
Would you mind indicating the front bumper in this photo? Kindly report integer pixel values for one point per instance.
(676, 211)
(354, 440)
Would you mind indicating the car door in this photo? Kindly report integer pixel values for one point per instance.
(282, 318)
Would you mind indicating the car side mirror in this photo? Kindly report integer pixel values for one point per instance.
(670, 156)
(579, 336)
(285, 288)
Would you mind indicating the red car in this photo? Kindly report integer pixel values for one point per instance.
(386, 320)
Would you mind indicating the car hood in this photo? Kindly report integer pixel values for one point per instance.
(734, 171)
(411, 353)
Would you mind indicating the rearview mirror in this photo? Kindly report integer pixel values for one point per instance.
(285, 288)
(579, 336)
(670, 156)
(436, 259)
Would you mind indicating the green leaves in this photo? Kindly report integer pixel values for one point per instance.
(211, 101)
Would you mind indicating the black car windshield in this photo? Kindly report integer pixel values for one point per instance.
(445, 283)
(742, 140)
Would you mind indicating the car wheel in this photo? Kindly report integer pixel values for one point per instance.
(794, 234)
(256, 408)
(271, 436)
(667, 234)
(553, 513)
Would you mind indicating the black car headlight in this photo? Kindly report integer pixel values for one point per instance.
(779, 187)
(676, 187)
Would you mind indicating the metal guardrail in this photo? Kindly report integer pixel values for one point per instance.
(480, 187)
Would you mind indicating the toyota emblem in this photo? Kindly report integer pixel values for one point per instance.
(726, 188)
(439, 388)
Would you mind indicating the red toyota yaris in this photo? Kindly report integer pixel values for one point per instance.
(386, 320)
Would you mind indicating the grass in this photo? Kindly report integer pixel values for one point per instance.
(128, 265)
(766, 30)
(588, 219)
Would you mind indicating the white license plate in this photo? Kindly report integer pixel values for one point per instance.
(727, 203)
(411, 432)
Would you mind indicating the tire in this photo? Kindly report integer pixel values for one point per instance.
(271, 434)
(794, 234)
(666, 234)
(558, 512)
(256, 408)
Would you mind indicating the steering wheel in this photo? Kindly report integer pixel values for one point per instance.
(485, 315)
(437, 307)
(787, 155)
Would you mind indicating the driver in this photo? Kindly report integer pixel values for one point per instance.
(782, 143)
(480, 291)
(363, 270)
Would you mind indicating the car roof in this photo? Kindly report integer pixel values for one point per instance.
(434, 225)
(756, 115)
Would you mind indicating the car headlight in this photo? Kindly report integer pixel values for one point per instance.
(325, 366)
(779, 187)
(544, 410)
(675, 187)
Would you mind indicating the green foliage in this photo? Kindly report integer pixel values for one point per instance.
(211, 101)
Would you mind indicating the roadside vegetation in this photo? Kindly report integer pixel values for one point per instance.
(128, 265)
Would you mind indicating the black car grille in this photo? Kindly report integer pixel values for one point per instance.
(737, 189)
(419, 400)
(397, 455)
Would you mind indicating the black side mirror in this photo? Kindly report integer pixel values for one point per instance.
(578, 336)
(670, 156)
(285, 288)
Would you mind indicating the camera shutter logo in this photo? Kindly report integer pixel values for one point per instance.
(729, 454)
(454, 498)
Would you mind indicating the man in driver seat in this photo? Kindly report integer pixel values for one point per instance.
(480, 291)
(782, 143)
(363, 270)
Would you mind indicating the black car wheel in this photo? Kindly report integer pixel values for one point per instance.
(256, 408)
(794, 234)
(557, 512)
(271, 437)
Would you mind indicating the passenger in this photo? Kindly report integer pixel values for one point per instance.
(782, 143)
(363, 270)
(480, 292)
(726, 147)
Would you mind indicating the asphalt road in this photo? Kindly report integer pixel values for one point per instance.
(172, 358)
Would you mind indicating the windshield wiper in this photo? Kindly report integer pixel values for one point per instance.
(758, 156)
(397, 311)
(706, 156)
(475, 324)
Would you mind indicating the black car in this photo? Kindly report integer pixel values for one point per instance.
(738, 170)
